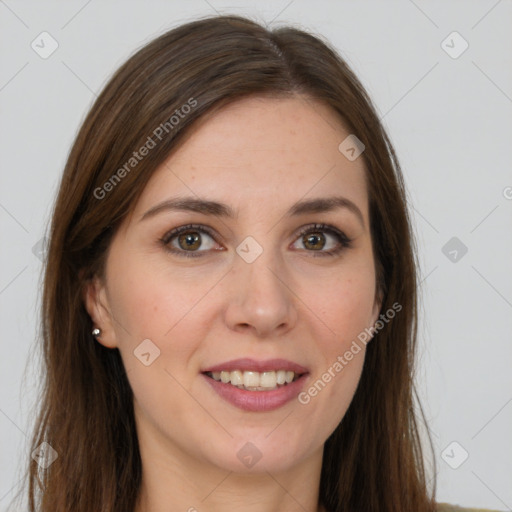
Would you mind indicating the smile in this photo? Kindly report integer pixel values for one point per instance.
(255, 381)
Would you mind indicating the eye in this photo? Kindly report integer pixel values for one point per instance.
(186, 240)
(315, 240)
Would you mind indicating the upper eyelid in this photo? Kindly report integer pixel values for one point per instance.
(186, 227)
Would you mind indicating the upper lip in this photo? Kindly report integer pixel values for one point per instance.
(247, 365)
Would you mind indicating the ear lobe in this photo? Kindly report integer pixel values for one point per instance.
(96, 303)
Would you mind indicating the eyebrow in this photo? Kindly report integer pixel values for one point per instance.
(206, 207)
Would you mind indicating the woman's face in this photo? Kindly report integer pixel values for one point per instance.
(257, 279)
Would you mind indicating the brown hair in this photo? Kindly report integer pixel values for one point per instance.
(373, 460)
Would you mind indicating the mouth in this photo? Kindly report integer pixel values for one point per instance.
(255, 381)
(257, 386)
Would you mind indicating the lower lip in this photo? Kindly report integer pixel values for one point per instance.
(257, 401)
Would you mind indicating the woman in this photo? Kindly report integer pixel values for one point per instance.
(229, 309)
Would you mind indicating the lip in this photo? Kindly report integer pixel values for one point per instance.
(247, 365)
(257, 401)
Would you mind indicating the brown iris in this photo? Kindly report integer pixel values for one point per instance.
(311, 240)
(191, 238)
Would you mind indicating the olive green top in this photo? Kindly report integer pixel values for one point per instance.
(446, 507)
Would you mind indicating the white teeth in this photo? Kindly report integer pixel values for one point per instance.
(251, 379)
(255, 381)
(268, 380)
(237, 378)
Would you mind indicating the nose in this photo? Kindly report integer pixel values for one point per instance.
(260, 298)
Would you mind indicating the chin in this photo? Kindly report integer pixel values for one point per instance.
(260, 453)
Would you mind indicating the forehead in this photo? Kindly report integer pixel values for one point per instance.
(260, 151)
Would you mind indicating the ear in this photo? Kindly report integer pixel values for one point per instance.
(97, 305)
(376, 310)
(377, 305)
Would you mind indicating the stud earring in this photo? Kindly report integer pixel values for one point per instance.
(96, 332)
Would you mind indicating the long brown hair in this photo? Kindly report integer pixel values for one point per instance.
(373, 461)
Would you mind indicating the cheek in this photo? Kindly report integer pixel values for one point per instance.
(171, 309)
(151, 301)
(343, 309)
(331, 389)
(162, 309)
(343, 306)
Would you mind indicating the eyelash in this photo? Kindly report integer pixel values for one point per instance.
(344, 241)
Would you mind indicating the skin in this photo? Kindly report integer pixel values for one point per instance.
(259, 156)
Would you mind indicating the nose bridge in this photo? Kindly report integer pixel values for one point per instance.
(261, 274)
(259, 296)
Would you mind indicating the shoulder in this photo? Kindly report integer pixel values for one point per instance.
(446, 507)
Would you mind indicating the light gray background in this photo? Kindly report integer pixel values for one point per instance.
(449, 119)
